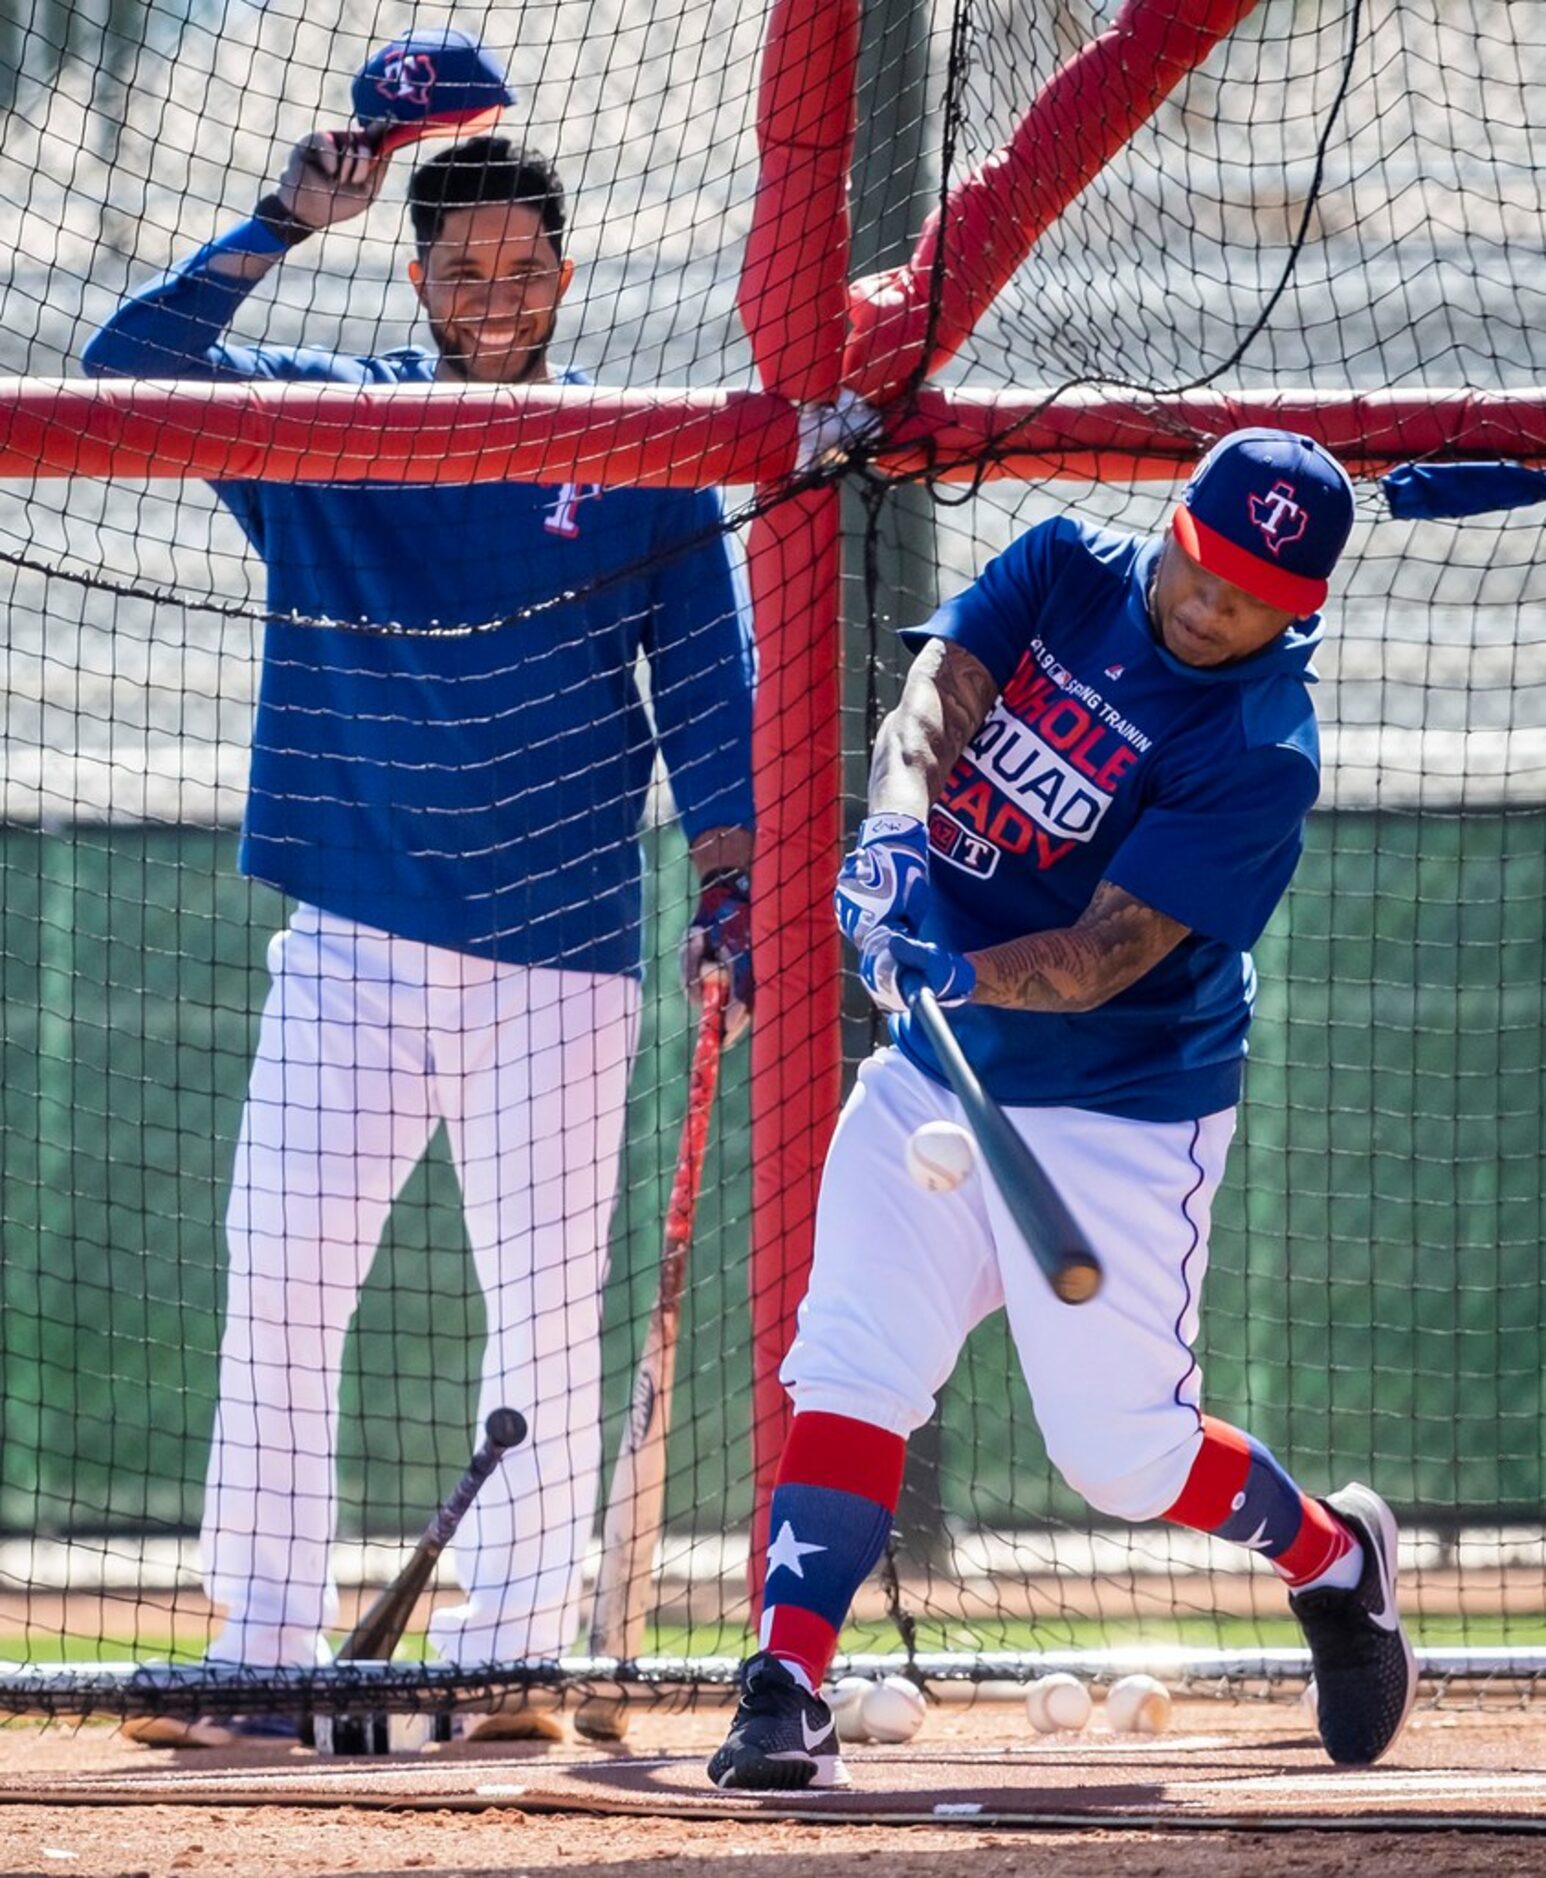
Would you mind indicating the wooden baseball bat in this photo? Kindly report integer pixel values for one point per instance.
(635, 1504)
(1045, 1223)
(380, 1630)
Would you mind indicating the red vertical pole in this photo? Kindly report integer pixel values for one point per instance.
(793, 300)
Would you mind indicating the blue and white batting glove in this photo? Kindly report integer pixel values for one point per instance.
(885, 881)
(885, 956)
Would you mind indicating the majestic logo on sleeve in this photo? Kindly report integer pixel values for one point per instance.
(1040, 775)
(407, 77)
(1279, 517)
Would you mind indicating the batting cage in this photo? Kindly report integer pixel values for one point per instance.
(439, 691)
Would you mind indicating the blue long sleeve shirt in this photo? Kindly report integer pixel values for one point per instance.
(480, 791)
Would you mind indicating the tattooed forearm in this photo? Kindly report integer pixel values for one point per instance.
(1076, 968)
(949, 692)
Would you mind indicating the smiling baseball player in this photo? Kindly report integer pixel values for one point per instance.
(1082, 815)
(456, 818)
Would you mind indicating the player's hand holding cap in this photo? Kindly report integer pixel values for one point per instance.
(885, 881)
(1270, 512)
(429, 83)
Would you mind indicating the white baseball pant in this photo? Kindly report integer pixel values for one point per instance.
(902, 1277)
(368, 1044)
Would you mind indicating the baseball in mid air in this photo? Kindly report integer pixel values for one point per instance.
(1058, 1704)
(1138, 1705)
(892, 1710)
(940, 1156)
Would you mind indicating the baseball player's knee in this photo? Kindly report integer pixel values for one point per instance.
(1126, 1478)
(838, 1381)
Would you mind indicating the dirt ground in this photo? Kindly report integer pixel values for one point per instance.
(239, 1844)
(83, 1800)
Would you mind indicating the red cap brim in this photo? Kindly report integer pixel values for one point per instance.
(1261, 579)
(438, 124)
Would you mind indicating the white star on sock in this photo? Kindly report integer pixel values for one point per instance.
(786, 1550)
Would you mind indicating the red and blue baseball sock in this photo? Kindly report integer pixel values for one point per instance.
(1237, 1491)
(837, 1489)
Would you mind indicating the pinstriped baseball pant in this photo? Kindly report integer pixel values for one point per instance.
(368, 1044)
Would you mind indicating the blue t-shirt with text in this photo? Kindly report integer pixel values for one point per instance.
(1106, 758)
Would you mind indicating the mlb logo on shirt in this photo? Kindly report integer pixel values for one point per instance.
(1115, 671)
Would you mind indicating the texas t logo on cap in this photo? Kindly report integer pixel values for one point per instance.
(1279, 516)
(429, 84)
(1270, 512)
(407, 76)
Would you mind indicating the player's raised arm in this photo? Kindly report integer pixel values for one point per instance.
(172, 328)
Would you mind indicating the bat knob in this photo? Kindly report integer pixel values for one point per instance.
(1077, 1283)
(506, 1428)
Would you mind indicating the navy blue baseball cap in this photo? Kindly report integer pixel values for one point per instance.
(1270, 512)
(437, 79)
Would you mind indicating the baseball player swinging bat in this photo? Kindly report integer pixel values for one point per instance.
(634, 1506)
(1045, 1223)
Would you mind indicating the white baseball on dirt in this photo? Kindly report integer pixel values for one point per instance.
(892, 1710)
(1058, 1704)
(1138, 1705)
(940, 1156)
(845, 1698)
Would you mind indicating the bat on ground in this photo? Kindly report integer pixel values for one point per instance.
(635, 1504)
(1045, 1223)
(380, 1630)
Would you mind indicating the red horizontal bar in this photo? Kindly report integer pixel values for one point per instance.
(134, 429)
(1097, 436)
(420, 434)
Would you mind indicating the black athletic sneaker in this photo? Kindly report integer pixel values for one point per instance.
(781, 1736)
(1365, 1673)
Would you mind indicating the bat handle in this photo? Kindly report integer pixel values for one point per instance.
(504, 1429)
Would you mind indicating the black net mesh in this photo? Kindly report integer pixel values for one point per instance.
(1343, 196)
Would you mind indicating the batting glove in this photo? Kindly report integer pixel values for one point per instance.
(886, 956)
(719, 940)
(885, 881)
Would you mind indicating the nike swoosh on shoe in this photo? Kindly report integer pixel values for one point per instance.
(814, 1741)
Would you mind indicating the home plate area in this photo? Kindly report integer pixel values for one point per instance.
(1249, 1764)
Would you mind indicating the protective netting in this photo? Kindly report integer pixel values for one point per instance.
(1340, 198)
